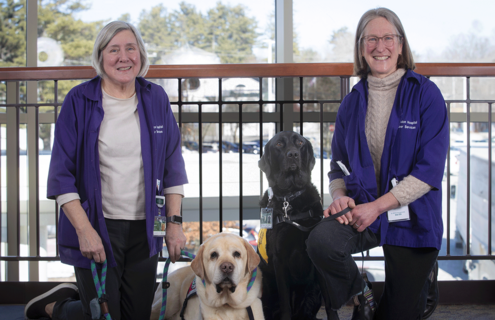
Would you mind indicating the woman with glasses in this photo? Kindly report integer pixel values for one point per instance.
(388, 157)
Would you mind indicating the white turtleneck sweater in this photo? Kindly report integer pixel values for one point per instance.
(381, 98)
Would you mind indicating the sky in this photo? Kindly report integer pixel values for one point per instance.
(429, 24)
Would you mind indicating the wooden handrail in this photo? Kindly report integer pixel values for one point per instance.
(244, 71)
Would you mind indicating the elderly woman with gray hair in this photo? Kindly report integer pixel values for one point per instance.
(388, 158)
(116, 168)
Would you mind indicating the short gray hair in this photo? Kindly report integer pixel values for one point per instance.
(405, 60)
(106, 35)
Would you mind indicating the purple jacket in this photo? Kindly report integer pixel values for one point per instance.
(74, 165)
(416, 143)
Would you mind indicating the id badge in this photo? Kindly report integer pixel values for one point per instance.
(160, 201)
(399, 214)
(159, 227)
(266, 218)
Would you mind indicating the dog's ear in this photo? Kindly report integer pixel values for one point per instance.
(253, 259)
(311, 161)
(265, 162)
(197, 263)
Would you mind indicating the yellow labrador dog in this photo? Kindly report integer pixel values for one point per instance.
(225, 286)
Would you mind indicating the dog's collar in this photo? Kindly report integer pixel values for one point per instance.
(288, 198)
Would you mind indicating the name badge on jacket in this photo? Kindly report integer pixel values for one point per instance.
(399, 214)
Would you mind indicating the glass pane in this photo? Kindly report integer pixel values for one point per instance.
(192, 32)
(13, 33)
(482, 88)
(319, 88)
(461, 30)
(240, 89)
(477, 204)
(452, 88)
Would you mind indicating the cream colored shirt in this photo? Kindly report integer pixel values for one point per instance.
(121, 164)
(381, 98)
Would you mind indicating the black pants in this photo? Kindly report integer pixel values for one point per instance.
(129, 286)
(330, 246)
(406, 285)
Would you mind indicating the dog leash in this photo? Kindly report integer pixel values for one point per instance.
(100, 288)
(166, 285)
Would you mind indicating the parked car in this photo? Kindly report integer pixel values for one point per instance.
(251, 147)
(227, 146)
(210, 147)
(190, 145)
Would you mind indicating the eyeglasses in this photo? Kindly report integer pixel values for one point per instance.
(388, 40)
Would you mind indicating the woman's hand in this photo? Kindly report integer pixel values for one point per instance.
(175, 240)
(363, 215)
(89, 241)
(339, 204)
(90, 244)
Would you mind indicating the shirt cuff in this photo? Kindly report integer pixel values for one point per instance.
(336, 184)
(409, 190)
(175, 190)
(67, 197)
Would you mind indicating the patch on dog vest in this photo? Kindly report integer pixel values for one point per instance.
(262, 244)
(191, 292)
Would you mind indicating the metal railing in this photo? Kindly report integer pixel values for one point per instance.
(289, 110)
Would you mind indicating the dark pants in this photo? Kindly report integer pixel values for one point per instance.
(330, 246)
(129, 286)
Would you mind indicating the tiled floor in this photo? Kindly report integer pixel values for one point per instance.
(447, 312)
(443, 312)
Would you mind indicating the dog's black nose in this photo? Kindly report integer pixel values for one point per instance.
(293, 154)
(227, 267)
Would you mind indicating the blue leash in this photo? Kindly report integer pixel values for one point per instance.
(100, 288)
(165, 284)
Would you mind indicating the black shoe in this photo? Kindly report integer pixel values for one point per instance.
(35, 308)
(432, 298)
(367, 305)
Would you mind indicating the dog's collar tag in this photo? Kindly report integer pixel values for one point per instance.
(266, 218)
(286, 207)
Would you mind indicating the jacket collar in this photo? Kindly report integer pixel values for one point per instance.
(93, 87)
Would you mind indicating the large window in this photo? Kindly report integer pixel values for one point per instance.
(438, 31)
(187, 32)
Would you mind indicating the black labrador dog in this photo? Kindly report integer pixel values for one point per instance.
(290, 287)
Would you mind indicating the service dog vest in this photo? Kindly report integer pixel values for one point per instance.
(262, 244)
(192, 292)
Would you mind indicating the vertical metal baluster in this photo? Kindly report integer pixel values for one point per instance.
(220, 147)
(301, 132)
(261, 128)
(321, 155)
(56, 205)
(468, 176)
(200, 127)
(241, 211)
(448, 187)
(490, 179)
